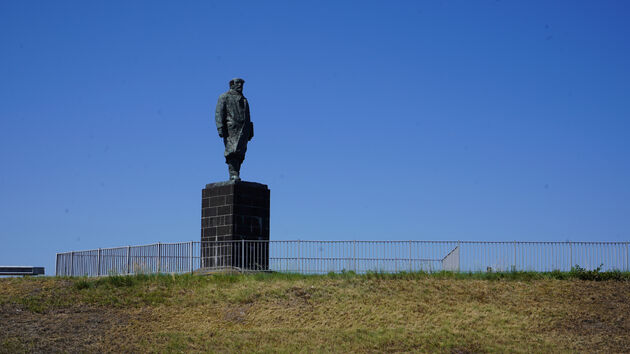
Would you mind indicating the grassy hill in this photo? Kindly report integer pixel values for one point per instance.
(456, 313)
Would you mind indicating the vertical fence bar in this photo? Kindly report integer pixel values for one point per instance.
(242, 255)
(71, 263)
(396, 255)
(570, 255)
(514, 266)
(128, 259)
(459, 256)
(190, 257)
(354, 254)
(159, 257)
(627, 248)
(98, 262)
(410, 267)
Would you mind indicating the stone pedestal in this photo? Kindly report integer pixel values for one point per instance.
(235, 225)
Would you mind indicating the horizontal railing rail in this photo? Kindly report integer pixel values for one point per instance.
(317, 257)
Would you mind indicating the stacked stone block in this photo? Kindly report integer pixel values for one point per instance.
(230, 212)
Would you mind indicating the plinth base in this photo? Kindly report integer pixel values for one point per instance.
(235, 225)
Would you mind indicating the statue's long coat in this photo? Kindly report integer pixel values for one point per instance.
(233, 122)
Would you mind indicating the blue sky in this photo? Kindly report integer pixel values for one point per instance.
(421, 120)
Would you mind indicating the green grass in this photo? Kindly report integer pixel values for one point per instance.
(338, 312)
(192, 281)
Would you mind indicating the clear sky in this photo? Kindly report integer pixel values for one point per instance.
(375, 120)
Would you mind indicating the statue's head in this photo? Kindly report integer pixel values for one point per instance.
(237, 84)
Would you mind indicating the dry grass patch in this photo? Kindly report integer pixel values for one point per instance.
(324, 313)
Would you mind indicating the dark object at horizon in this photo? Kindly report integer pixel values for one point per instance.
(12, 270)
(234, 126)
(233, 211)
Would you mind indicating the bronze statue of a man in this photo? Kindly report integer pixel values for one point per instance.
(234, 126)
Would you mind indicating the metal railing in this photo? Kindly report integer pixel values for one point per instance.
(317, 257)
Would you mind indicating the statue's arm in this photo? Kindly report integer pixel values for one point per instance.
(219, 117)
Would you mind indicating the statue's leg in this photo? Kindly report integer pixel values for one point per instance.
(234, 167)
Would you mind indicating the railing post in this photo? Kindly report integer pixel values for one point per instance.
(354, 254)
(459, 256)
(98, 262)
(128, 259)
(627, 247)
(71, 263)
(57, 264)
(190, 256)
(299, 259)
(570, 255)
(159, 257)
(410, 267)
(514, 268)
(242, 255)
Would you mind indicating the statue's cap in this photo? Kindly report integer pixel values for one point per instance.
(236, 79)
